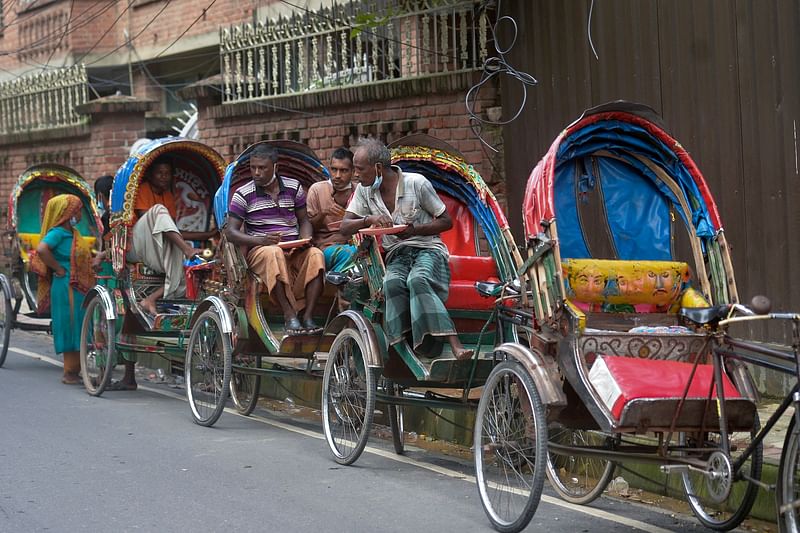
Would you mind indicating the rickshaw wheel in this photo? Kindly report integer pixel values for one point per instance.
(731, 512)
(245, 387)
(6, 318)
(578, 479)
(208, 368)
(348, 397)
(510, 447)
(98, 356)
(788, 490)
(396, 418)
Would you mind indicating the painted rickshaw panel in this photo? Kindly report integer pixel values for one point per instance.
(27, 201)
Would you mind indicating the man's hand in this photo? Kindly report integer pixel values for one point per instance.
(270, 239)
(410, 231)
(380, 221)
(97, 261)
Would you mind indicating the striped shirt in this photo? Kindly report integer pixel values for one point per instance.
(262, 214)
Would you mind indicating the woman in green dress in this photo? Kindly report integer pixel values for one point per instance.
(63, 264)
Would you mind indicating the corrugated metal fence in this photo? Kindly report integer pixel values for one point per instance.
(724, 75)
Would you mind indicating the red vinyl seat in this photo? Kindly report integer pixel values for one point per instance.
(620, 380)
(465, 266)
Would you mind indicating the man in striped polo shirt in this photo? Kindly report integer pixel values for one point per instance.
(272, 209)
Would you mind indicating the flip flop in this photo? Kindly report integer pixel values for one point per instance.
(294, 327)
(465, 354)
(311, 327)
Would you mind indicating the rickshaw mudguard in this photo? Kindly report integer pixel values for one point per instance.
(365, 329)
(549, 389)
(220, 307)
(98, 291)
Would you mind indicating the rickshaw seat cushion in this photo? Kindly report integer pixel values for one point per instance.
(464, 272)
(29, 242)
(619, 380)
(629, 286)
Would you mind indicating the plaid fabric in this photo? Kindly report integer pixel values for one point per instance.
(415, 288)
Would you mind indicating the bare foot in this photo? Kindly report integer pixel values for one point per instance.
(149, 306)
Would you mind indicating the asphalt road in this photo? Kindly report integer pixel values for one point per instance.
(134, 461)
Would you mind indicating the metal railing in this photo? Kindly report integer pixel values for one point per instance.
(341, 46)
(43, 101)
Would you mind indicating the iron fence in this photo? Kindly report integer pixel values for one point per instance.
(352, 43)
(42, 101)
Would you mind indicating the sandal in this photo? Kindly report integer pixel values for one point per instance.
(311, 327)
(294, 327)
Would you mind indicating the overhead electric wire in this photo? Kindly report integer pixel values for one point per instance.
(131, 39)
(492, 67)
(66, 28)
(78, 24)
(201, 15)
(89, 51)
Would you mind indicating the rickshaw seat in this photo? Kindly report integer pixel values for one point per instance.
(465, 266)
(631, 286)
(621, 380)
(464, 272)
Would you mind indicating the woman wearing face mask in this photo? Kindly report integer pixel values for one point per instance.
(63, 264)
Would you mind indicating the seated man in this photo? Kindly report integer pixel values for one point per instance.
(263, 212)
(326, 204)
(417, 276)
(157, 241)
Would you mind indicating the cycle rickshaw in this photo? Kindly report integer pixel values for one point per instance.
(361, 369)
(640, 366)
(237, 333)
(27, 202)
(115, 326)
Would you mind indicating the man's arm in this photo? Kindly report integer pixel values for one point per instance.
(315, 214)
(352, 222)
(235, 235)
(436, 226)
(304, 225)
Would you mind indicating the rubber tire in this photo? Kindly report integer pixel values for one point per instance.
(520, 376)
(245, 405)
(790, 462)
(344, 457)
(105, 378)
(563, 490)
(756, 462)
(7, 319)
(191, 368)
(396, 419)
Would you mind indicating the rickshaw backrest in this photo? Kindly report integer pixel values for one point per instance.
(466, 266)
(635, 286)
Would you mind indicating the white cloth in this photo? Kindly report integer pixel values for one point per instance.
(151, 247)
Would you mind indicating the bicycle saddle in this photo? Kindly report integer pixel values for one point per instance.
(704, 315)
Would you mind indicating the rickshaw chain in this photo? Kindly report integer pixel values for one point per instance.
(281, 385)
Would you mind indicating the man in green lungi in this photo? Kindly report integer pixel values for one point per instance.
(417, 276)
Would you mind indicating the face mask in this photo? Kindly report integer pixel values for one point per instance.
(101, 206)
(377, 184)
(73, 221)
